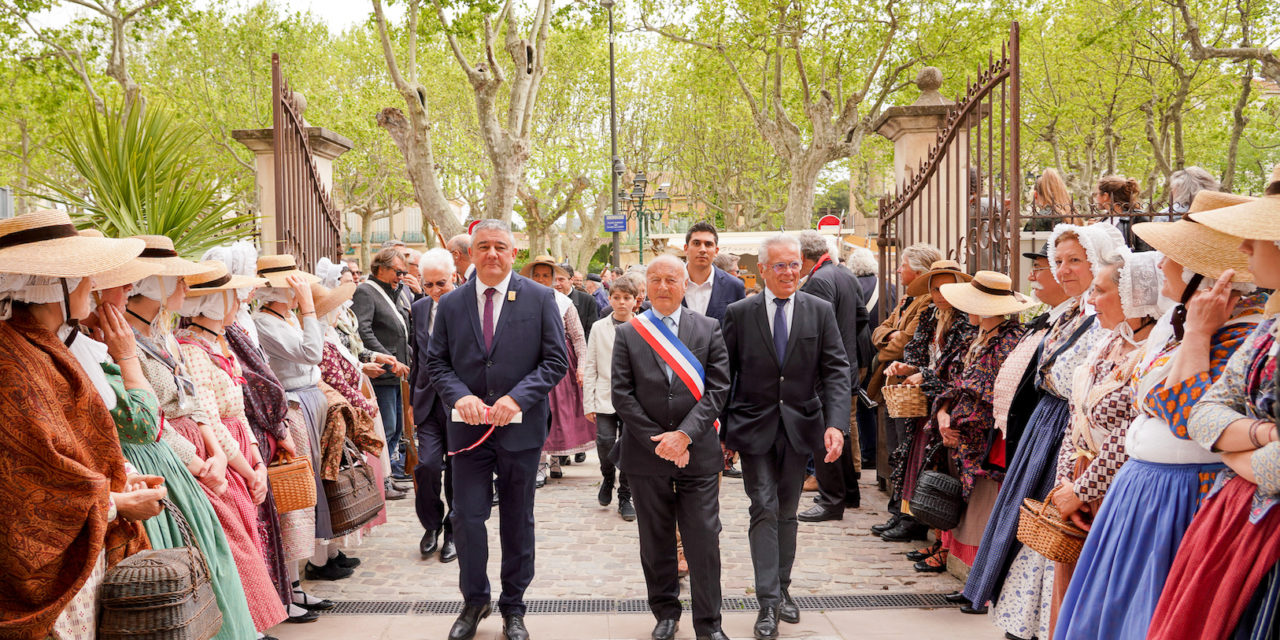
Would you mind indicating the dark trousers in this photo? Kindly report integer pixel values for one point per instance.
(867, 431)
(773, 481)
(473, 475)
(390, 409)
(608, 429)
(433, 472)
(837, 481)
(693, 503)
(895, 432)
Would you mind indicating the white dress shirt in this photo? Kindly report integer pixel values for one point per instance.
(789, 310)
(498, 298)
(698, 296)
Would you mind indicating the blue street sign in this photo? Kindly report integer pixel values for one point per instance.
(615, 224)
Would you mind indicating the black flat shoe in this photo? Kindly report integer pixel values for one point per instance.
(819, 514)
(936, 563)
(974, 611)
(513, 628)
(580, 458)
(891, 523)
(766, 626)
(330, 571)
(956, 597)
(309, 616)
(665, 630)
(464, 628)
(448, 552)
(429, 544)
(311, 603)
(605, 495)
(906, 531)
(626, 510)
(732, 472)
(345, 561)
(921, 554)
(788, 611)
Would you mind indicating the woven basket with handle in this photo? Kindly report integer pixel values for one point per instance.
(161, 594)
(905, 401)
(293, 482)
(355, 497)
(1042, 528)
(938, 501)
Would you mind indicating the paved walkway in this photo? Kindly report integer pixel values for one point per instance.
(586, 551)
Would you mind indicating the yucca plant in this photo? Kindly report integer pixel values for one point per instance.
(141, 177)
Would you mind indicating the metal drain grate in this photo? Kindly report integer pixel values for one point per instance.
(640, 605)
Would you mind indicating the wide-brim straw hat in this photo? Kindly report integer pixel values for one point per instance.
(1258, 219)
(327, 299)
(128, 273)
(989, 294)
(527, 271)
(160, 252)
(216, 279)
(46, 243)
(1200, 248)
(920, 285)
(277, 269)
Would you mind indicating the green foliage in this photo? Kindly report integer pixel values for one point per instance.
(141, 178)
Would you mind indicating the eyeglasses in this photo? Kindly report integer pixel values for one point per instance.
(1035, 269)
(783, 267)
(401, 274)
(439, 284)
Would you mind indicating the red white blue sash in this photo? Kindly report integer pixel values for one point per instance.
(673, 352)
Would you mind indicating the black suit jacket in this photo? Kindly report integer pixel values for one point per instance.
(726, 291)
(648, 405)
(528, 359)
(806, 394)
(841, 288)
(379, 329)
(1025, 399)
(588, 309)
(422, 393)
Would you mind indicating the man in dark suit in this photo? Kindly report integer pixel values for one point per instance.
(708, 290)
(430, 414)
(496, 351)
(669, 448)
(838, 480)
(789, 399)
(384, 328)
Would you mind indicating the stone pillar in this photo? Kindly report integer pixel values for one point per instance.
(326, 146)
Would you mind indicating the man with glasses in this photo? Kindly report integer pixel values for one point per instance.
(384, 328)
(789, 398)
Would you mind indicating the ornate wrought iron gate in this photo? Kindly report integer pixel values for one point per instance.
(307, 224)
(965, 197)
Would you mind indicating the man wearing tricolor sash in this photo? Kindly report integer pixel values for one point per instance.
(670, 379)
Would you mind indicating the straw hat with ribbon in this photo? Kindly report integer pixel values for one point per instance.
(1197, 247)
(988, 294)
(160, 251)
(277, 269)
(327, 299)
(217, 279)
(46, 243)
(920, 285)
(527, 271)
(1257, 219)
(127, 273)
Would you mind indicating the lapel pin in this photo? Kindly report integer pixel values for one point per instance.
(511, 296)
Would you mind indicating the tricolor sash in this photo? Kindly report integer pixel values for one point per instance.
(673, 352)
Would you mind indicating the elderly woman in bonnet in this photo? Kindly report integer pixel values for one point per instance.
(210, 305)
(1225, 579)
(1004, 571)
(71, 507)
(963, 412)
(1114, 591)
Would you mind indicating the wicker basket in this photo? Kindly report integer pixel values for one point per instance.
(293, 482)
(161, 594)
(938, 501)
(1044, 530)
(355, 497)
(905, 401)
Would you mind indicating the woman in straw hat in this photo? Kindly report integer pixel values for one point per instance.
(963, 411)
(932, 359)
(1126, 297)
(1114, 591)
(71, 506)
(210, 304)
(1225, 577)
(1004, 572)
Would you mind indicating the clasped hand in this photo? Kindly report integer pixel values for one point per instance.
(473, 411)
(673, 446)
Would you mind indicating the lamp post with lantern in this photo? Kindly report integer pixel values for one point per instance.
(659, 204)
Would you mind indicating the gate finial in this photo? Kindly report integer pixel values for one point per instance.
(929, 80)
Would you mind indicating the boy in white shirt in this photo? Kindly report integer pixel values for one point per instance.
(597, 387)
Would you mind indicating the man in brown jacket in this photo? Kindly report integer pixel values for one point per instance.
(889, 340)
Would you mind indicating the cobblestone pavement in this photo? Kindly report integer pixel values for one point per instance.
(587, 551)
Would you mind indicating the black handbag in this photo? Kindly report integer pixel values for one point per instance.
(938, 501)
(355, 497)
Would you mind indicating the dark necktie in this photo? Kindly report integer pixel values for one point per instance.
(488, 318)
(780, 329)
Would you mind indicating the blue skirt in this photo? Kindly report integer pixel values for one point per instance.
(1032, 474)
(1130, 549)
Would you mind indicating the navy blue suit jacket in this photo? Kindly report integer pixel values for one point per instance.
(422, 393)
(726, 291)
(528, 359)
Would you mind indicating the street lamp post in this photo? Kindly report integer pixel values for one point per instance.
(635, 201)
(615, 166)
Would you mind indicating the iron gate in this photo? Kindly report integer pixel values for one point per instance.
(307, 224)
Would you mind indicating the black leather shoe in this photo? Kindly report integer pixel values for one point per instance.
(605, 496)
(665, 630)
(345, 561)
(974, 611)
(714, 635)
(766, 627)
(956, 597)
(430, 543)
(464, 628)
(513, 627)
(788, 611)
(819, 514)
(309, 616)
(906, 531)
(626, 510)
(921, 554)
(932, 564)
(580, 458)
(732, 472)
(329, 571)
(448, 552)
(889, 524)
